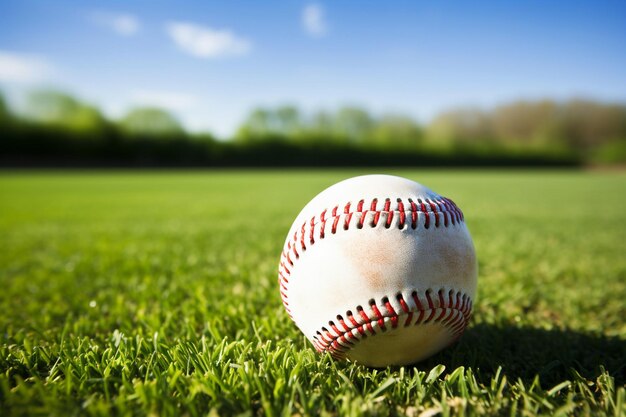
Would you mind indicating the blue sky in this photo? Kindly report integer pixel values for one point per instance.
(211, 62)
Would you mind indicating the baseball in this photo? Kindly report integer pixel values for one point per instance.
(379, 270)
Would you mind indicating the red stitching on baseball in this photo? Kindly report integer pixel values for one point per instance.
(344, 341)
(381, 318)
(302, 234)
(433, 208)
(359, 209)
(312, 234)
(431, 306)
(446, 317)
(282, 277)
(286, 254)
(365, 317)
(417, 301)
(450, 209)
(376, 212)
(355, 324)
(348, 214)
(413, 214)
(293, 247)
(455, 209)
(333, 229)
(441, 212)
(387, 209)
(402, 214)
(405, 308)
(441, 303)
(342, 322)
(392, 312)
(426, 214)
(337, 341)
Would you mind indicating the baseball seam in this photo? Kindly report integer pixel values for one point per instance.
(451, 310)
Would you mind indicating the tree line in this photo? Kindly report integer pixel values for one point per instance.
(56, 129)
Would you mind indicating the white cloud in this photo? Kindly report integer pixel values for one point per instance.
(121, 23)
(314, 20)
(205, 42)
(167, 99)
(22, 68)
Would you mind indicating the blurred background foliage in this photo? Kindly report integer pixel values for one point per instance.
(151, 121)
(57, 129)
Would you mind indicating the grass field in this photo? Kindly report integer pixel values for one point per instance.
(156, 294)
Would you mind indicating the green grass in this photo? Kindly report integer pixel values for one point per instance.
(156, 294)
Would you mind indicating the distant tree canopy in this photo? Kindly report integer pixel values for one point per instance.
(575, 130)
(576, 124)
(63, 110)
(525, 122)
(586, 124)
(3, 106)
(6, 117)
(573, 127)
(462, 127)
(349, 125)
(353, 123)
(282, 121)
(398, 129)
(151, 121)
(4, 111)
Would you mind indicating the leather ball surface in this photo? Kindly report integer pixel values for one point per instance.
(380, 270)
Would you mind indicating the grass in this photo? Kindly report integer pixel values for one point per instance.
(156, 294)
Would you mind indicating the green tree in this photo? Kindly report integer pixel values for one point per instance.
(287, 120)
(61, 109)
(3, 106)
(396, 130)
(7, 121)
(461, 127)
(151, 121)
(589, 124)
(256, 125)
(526, 122)
(354, 123)
(284, 121)
(4, 111)
(577, 124)
(322, 123)
(320, 127)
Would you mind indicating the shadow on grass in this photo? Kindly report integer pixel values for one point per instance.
(524, 352)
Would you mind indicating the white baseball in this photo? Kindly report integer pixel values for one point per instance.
(379, 270)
